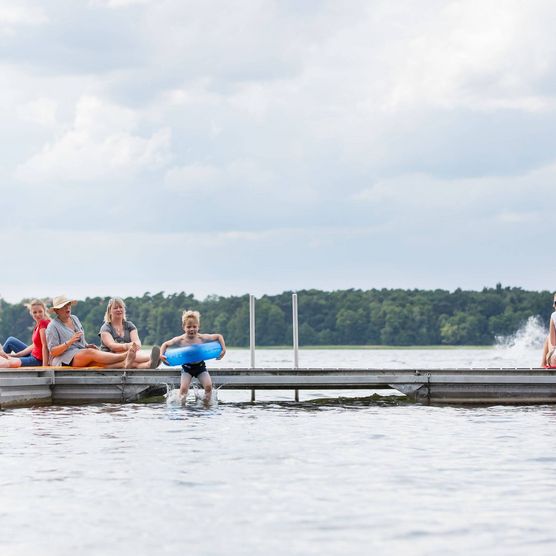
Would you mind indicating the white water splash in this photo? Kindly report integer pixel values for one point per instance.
(525, 346)
(194, 396)
(529, 337)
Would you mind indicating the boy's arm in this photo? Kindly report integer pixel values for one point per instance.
(215, 338)
(167, 344)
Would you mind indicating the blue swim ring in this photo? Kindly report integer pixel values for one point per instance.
(193, 353)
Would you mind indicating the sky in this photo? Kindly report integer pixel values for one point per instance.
(231, 147)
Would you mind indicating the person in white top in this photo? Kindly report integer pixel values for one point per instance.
(549, 348)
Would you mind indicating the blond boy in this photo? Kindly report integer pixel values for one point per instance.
(191, 321)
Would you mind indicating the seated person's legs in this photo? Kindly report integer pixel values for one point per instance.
(10, 362)
(544, 352)
(13, 345)
(90, 357)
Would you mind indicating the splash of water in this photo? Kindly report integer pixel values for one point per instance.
(530, 336)
(195, 395)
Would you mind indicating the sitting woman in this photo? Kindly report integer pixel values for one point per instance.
(118, 334)
(36, 354)
(549, 349)
(66, 341)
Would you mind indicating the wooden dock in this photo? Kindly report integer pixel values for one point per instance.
(43, 385)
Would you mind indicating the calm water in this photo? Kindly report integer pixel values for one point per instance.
(354, 476)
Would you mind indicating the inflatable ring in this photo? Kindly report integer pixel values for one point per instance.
(193, 353)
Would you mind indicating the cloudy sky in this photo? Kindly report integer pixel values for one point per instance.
(229, 147)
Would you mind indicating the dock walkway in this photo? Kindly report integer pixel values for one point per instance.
(44, 385)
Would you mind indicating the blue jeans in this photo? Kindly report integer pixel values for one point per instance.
(15, 345)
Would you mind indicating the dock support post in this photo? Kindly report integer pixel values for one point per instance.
(295, 330)
(252, 336)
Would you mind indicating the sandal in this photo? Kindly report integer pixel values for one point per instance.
(155, 357)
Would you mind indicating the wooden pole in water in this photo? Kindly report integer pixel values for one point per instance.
(252, 336)
(295, 330)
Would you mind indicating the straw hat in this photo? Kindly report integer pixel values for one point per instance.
(60, 300)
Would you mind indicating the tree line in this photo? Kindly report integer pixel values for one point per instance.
(346, 317)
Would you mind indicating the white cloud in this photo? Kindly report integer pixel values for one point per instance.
(100, 144)
(518, 218)
(13, 15)
(464, 196)
(118, 3)
(41, 111)
(194, 176)
(245, 175)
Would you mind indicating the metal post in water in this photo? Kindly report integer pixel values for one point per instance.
(295, 329)
(252, 329)
(295, 332)
(252, 336)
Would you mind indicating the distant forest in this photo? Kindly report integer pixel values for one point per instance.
(347, 317)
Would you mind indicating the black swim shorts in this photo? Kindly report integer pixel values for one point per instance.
(194, 369)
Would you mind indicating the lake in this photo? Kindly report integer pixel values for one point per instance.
(338, 473)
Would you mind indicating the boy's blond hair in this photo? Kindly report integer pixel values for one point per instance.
(195, 315)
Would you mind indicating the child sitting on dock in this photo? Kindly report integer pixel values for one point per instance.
(191, 321)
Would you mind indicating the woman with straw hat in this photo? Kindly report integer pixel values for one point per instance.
(66, 341)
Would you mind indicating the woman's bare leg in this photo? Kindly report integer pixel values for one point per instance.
(90, 357)
(142, 357)
(10, 362)
(551, 359)
(152, 362)
(544, 353)
(142, 361)
(131, 355)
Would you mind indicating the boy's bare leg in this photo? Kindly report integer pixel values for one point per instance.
(206, 383)
(184, 386)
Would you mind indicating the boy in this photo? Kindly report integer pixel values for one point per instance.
(191, 321)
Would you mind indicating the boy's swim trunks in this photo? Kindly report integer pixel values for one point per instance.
(194, 369)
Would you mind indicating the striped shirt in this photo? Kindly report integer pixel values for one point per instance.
(58, 333)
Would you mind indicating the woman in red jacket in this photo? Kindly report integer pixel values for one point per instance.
(36, 354)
